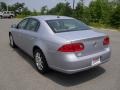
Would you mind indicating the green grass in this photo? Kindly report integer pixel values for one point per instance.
(99, 25)
(21, 16)
(105, 26)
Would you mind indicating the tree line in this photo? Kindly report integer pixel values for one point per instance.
(104, 13)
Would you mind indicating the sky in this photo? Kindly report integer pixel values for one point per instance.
(37, 4)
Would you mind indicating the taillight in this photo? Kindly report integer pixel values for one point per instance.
(73, 47)
(106, 41)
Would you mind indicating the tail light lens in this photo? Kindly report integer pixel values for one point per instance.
(73, 47)
(106, 41)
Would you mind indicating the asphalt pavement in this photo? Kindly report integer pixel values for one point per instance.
(18, 72)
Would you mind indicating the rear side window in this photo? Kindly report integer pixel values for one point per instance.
(22, 24)
(32, 25)
(12, 12)
(4, 12)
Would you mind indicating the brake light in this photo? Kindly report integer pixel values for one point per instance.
(106, 41)
(73, 47)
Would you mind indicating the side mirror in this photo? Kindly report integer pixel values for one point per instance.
(14, 26)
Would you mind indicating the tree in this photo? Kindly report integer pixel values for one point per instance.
(34, 13)
(3, 6)
(106, 11)
(86, 15)
(25, 11)
(66, 10)
(79, 10)
(56, 10)
(100, 11)
(17, 7)
(61, 9)
(95, 11)
(115, 18)
(44, 10)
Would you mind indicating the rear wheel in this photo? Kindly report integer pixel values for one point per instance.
(11, 16)
(40, 61)
(12, 44)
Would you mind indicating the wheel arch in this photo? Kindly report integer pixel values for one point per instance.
(42, 50)
(11, 16)
(10, 33)
(37, 47)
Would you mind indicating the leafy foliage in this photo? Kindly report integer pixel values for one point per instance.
(115, 18)
(44, 10)
(3, 6)
(17, 7)
(61, 9)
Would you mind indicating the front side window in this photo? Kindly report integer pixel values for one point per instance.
(32, 25)
(22, 24)
(12, 12)
(66, 25)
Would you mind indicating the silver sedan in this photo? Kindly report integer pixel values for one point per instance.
(60, 43)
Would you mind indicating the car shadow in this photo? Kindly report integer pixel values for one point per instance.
(77, 78)
(26, 57)
(65, 79)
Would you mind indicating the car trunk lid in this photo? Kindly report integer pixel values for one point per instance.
(92, 40)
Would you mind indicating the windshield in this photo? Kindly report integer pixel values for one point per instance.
(66, 25)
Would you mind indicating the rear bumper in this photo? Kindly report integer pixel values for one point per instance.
(70, 63)
(81, 69)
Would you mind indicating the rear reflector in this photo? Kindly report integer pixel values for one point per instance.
(73, 47)
(106, 41)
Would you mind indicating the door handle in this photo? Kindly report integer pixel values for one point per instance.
(32, 38)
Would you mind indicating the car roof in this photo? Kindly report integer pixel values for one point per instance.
(7, 11)
(50, 17)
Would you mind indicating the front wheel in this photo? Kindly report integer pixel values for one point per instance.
(40, 61)
(12, 44)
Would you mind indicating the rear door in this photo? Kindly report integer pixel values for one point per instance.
(6, 14)
(29, 35)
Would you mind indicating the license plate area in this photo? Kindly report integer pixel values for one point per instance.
(96, 61)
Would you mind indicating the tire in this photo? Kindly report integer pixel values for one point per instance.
(0, 17)
(11, 16)
(12, 44)
(40, 61)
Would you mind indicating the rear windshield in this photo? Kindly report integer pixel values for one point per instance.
(66, 25)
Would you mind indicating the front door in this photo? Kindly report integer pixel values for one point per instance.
(17, 33)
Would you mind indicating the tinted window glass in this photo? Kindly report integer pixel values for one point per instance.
(12, 12)
(65, 25)
(32, 25)
(4, 12)
(22, 24)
